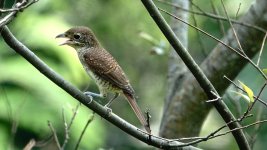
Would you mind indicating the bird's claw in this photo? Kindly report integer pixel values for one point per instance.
(109, 110)
(90, 97)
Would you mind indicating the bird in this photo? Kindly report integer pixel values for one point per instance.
(102, 67)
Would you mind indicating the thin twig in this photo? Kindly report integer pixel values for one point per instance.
(91, 118)
(210, 136)
(260, 100)
(216, 99)
(20, 6)
(213, 16)
(216, 12)
(262, 46)
(236, 104)
(54, 134)
(10, 118)
(202, 47)
(221, 134)
(148, 117)
(256, 127)
(209, 35)
(66, 128)
(237, 12)
(233, 29)
(243, 127)
(75, 112)
(30, 145)
(229, 47)
(252, 105)
(201, 78)
(77, 94)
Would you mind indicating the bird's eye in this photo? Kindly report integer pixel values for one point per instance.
(77, 36)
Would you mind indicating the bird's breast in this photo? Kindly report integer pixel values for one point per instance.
(101, 83)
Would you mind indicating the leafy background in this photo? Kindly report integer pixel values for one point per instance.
(29, 99)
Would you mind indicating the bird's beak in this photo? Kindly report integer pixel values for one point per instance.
(63, 35)
(67, 42)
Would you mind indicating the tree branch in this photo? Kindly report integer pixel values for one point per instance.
(221, 61)
(77, 94)
(214, 16)
(18, 7)
(203, 81)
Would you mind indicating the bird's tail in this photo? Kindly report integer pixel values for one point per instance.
(137, 111)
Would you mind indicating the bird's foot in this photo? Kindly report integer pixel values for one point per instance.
(91, 99)
(91, 94)
(109, 110)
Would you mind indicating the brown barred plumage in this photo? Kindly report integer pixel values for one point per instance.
(102, 67)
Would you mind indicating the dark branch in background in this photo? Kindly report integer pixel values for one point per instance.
(197, 72)
(213, 16)
(220, 62)
(77, 94)
(91, 118)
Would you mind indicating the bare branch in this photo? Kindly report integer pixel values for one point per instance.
(30, 145)
(75, 111)
(196, 71)
(91, 118)
(229, 47)
(233, 29)
(19, 7)
(54, 134)
(216, 99)
(209, 35)
(262, 46)
(66, 128)
(237, 11)
(202, 47)
(213, 16)
(77, 94)
(256, 128)
(260, 100)
(216, 12)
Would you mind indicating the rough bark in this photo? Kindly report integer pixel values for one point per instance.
(176, 67)
(186, 110)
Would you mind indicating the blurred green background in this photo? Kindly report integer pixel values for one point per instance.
(28, 99)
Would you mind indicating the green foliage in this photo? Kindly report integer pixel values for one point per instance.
(30, 99)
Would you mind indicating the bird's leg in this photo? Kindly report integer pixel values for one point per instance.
(111, 100)
(92, 94)
(102, 94)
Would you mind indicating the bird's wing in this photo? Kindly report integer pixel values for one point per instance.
(106, 67)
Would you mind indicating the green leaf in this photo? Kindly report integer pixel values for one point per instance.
(249, 92)
(242, 95)
(264, 71)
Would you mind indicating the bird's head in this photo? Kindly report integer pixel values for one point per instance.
(79, 37)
